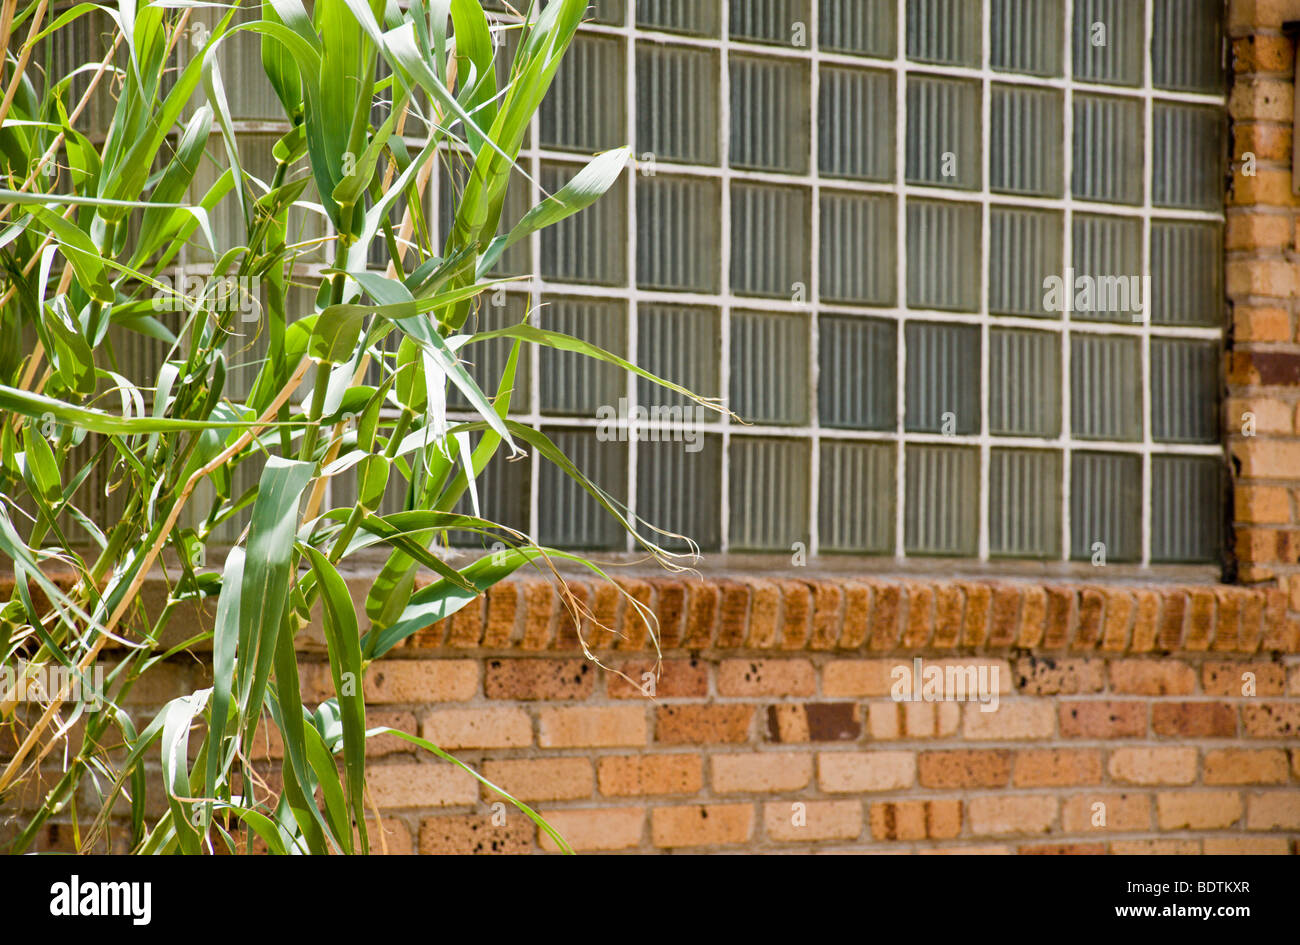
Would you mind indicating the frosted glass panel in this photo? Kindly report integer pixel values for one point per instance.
(769, 240)
(942, 272)
(943, 378)
(1024, 383)
(1024, 249)
(769, 21)
(1106, 506)
(1186, 45)
(679, 229)
(1025, 141)
(677, 103)
(856, 495)
(857, 248)
(770, 124)
(942, 511)
(679, 489)
(573, 116)
(1025, 36)
(700, 17)
(1024, 503)
(1184, 388)
(588, 246)
(570, 517)
(1186, 508)
(856, 123)
(1107, 41)
(946, 31)
(1187, 164)
(681, 344)
(943, 132)
(858, 366)
(768, 491)
(1186, 274)
(570, 382)
(1105, 250)
(1107, 149)
(858, 26)
(486, 360)
(503, 498)
(769, 367)
(1106, 387)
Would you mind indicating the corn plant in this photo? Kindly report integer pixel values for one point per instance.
(113, 482)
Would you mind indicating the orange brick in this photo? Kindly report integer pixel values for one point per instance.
(1153, 765)
(1275, 810)
(828, 614)
(1246, 846)
(797, 622)
(475, 833)
(793, 722)
(591, 727)
(916, 820)
(703, 724)
(1260, 323)
(763, 627)
(842, 772)
(674, 679)
(1124, 813)
(607, 828)
(761, 772)
(1198, 810)
(808, 821)
(502, 611)
(543, 779)
(999, 815)
(1194, 719)
(420, 785)
(1103, 719)
(1156, 847)
(1241, 766)
(1235, 678)
(1011, 721)
(525, 679)
(390, 681)
(1152, 677)
(650, 774)
(1261, 99)
(1062, 849)
(478, 728)
(1057, 767)
(929, 719)
(962, 769)
(775, 677)
(701, 825)
(1271, 719)
(1048, 676)
(856, 678)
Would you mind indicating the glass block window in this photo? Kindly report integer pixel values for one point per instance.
(956, 264)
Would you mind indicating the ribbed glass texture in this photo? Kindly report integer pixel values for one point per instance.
(1105, 250)
(856, 386)
(1186, 45)
(1107, 41)
(1105, 507)
(768, 494)
(697, 17)
(570, 517)
(943, 378)
(679, 488)
(486, 360)
(942, 512)
(855, 123)
(942, 272)
(1025, 141)
(856, 490)
(944, 31)
(770, 21)
(571, 383)
(676, 104)
(1187, 162)
(1025, 36)
(1186, 508)
(770, 124)
(1187, 273)
(769, 367)
(857, 248)
(682, 344)
(863, 27)
(1024, 250)
(1024, 383)
(1024, 503)
(1106, 387)
(589, 246)
(943, 132)
(1184, 384)
(679, 228)
(1107, 149)
(585, 109)
(769, 240)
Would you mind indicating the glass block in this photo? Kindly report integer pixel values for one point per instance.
(1106, 506)
(943, 132)
(1107, 41)
(1107, 149)
(770, 124)
(677, 103)
(1107, 256)
(943, 378)
(863, 27)
(1186, 508)
(1025, 36)
(517, 260)
(856, 497)
(1024, 503)
(1187, 45)
(1025, 141)
(942, 272)
(1024, 382)
(768, 492)
(1106, 387)
(1187, 162)
(1186, 273)
(770, 235)
(486, 360)
(781, 22)
(941, 516)
(946, 31)
(88, 37)
(569, 516)
(248, 91)
(572, 117)
(573, 383)
(697, 17)
(502, 498)
(856, 387)
(682, 344)
(679, 228)
(1024, 250)
(1185, 390)
(679, 489)
(769, 367)
(589, 246)
(855, 123)
(858, 248)
(611, 12)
